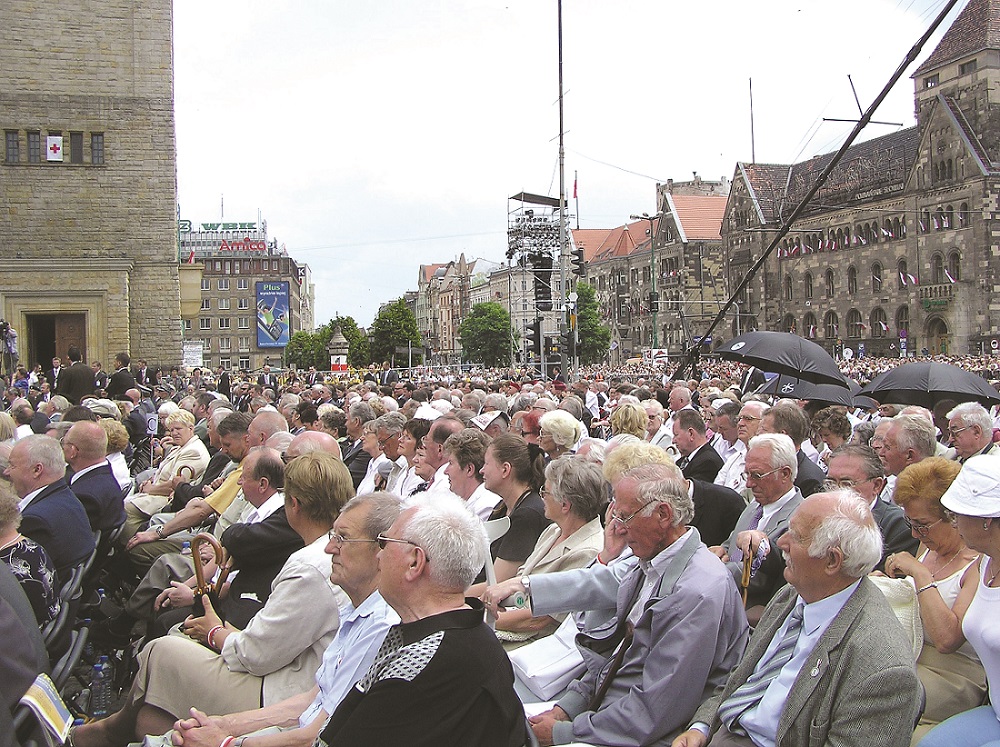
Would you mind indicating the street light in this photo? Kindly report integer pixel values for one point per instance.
(654, 302)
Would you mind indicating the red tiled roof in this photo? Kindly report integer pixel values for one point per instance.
(429, 270)
(591, 240)
(622, 241)
(977, 27)
(700, 215)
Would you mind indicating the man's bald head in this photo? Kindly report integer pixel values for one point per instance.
(309, 441)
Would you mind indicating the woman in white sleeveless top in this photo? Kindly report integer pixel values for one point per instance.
(945, 577)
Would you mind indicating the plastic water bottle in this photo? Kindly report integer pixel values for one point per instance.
(185, 548)
(101, 679)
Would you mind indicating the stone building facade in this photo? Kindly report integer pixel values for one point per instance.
(899, 252)
(235, 257)
(88, 179)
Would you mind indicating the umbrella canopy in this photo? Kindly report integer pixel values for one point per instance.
(928, 383)
(830, 394)
(784, 353)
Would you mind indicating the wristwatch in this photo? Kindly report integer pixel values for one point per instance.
(159, 530)
(526, 583)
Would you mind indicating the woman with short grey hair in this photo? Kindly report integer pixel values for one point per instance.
(558, 434)
(574, 492)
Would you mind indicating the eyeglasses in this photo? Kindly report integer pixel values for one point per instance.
(844, 484)
(747, 418)
(758, 476)
(955, 431)
(339, 540)
(921, 529)
(383, 541)
(623, 520)
(387, 439)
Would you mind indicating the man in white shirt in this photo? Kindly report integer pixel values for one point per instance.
(747, 424)
(723, 421)
(434, 454)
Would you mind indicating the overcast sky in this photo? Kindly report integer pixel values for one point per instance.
(377, 136)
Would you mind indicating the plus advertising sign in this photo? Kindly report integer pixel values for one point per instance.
(53, 148)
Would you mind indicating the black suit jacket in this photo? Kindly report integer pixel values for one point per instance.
(57, 521)
(895, 531)
(259, 551)
(76, 382)
(703, 465)
(716, 509)
(222, 385)
(119, 383)
(810, 477)
(267, 382)
(356, 460)
(101, 496)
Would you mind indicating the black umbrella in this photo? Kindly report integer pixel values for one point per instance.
(831, 394)
(928, 383)
(784, 353)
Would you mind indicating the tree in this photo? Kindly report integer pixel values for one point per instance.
(395, 326)
(310, 348)
(485, 335)
(593, 334)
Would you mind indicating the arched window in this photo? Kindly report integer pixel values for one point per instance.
(809, 325)
(847, 236)
(831, 325)
(879, 324)
(854, 325)
(829, 283)
(859, 234)
(903, 278)
(949, 217)
(939, 220)
(925, 222)
(789, 324)
(955, 267)
(950, 169)
(937, 269)
(840, 239)
(903, 319)
(852, 280)
(808, 282)
(877, 277)
(937, 172)
(963, 215)
(887, 231)
(788, 287)
(899, 227)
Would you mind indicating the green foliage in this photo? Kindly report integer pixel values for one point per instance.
(395, 326)
(309, 348)
(485, 335)
(593, 334)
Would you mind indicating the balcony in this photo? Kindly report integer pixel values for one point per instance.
(941, 291)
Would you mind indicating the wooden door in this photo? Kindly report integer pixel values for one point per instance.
(71, 329)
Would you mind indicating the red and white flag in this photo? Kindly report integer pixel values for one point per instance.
(54, 148)
(191, 257)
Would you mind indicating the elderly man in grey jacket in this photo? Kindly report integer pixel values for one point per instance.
(678, 626)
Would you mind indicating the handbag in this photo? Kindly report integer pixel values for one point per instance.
(547, 666)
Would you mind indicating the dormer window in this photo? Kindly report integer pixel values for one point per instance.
(967, 67)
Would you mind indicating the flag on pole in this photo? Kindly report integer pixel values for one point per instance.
(574, 186)
(948, 275)
(902, 278)
(912, 279)
(191, 257)
(884, 326)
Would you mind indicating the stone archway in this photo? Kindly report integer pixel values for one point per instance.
(937, 336)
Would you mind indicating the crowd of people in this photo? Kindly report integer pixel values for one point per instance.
(494, 559)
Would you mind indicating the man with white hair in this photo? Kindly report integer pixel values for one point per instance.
(50, 514)
(771, 468)
(677, 630)
(440, 675)
(829, 662)
(908, 439)
(971, 430)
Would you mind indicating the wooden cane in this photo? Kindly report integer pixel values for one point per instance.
(202, 587)
(745, 581)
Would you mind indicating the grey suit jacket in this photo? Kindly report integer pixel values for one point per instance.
(688, 637)
(859, 686)
(771, 575)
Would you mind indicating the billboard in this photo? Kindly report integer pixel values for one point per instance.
(272, 314)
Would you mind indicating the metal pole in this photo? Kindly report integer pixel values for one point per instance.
(654, 303)
(563, 254)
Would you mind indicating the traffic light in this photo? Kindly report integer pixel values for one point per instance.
(569, 341)
(541, 269)
(654, 301)
(578, 266)
(534, 337)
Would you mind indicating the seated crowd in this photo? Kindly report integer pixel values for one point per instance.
(396, 562)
